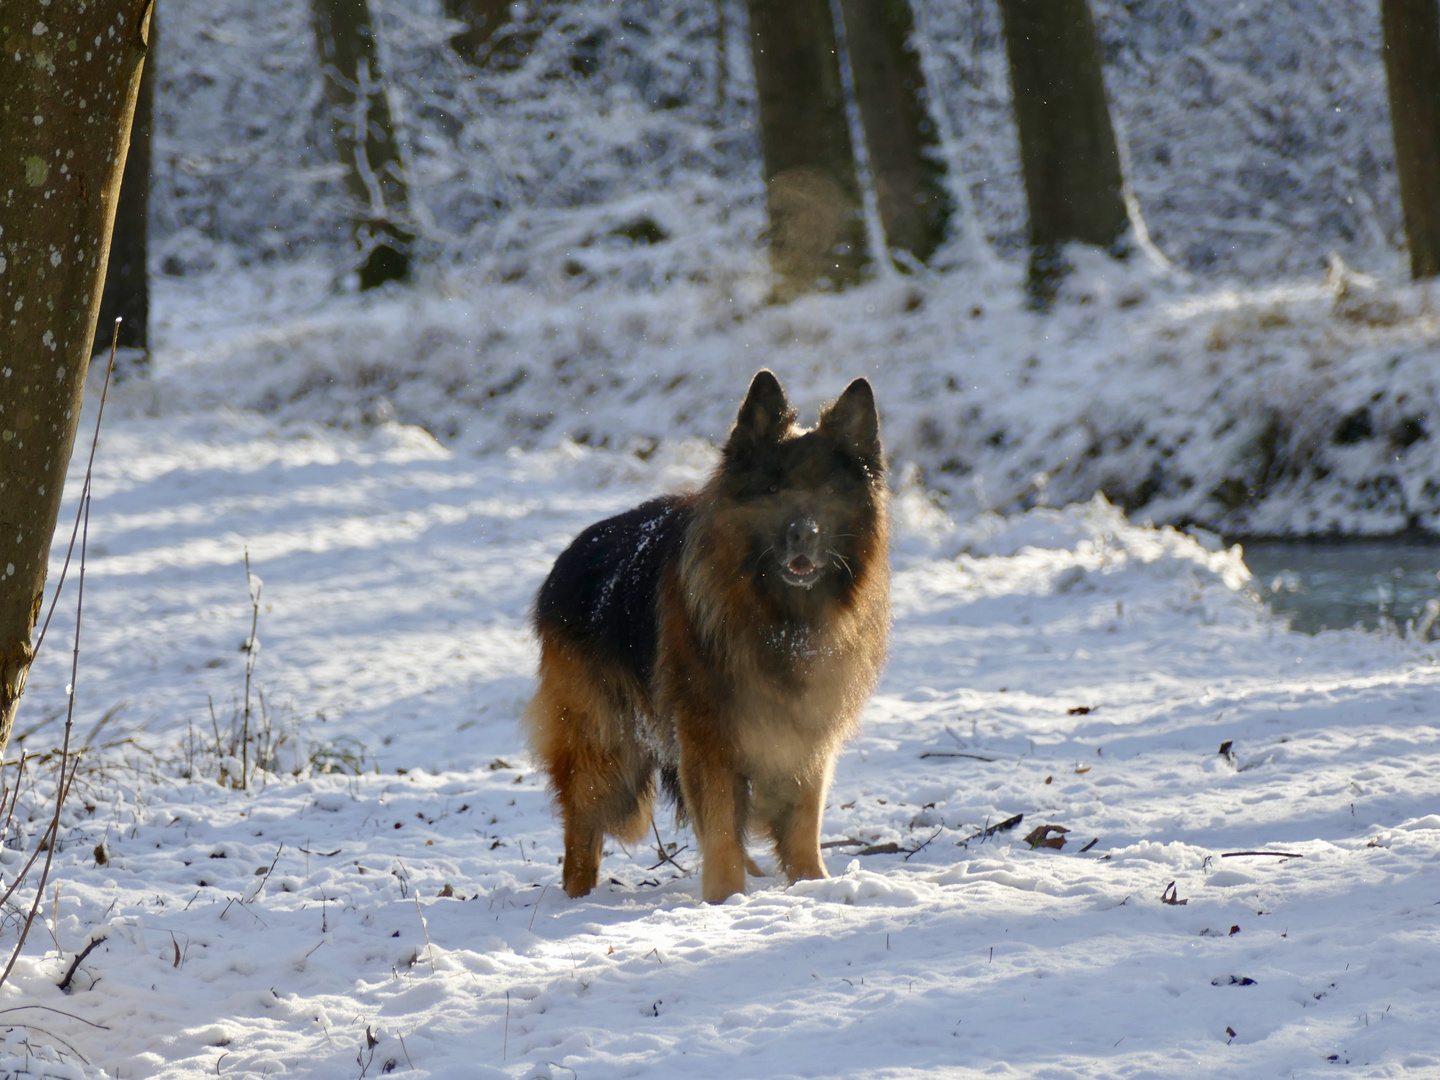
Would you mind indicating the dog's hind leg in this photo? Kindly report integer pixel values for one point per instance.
(602, 781)
(600, 792)
(584, 842)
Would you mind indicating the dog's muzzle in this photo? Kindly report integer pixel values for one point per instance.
(800, 564)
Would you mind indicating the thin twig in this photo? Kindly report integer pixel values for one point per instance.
(250, 648)
(62, 1012)
(922, 847)
(5, 814)
(62, 787)
(63, 1042)
(25, 870)
(426, 931)
(990, 830)
(537, 906)
(270, 868)
(952, 753)
(75, 964)
(1277, 854)
(403, 1047)
(85, 491)
(660, 850)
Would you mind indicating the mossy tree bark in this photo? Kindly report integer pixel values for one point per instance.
(1412, 69)
(817, 230)
(71, 74)
(127, 281)
(902, 139)
(364, 135)
(1073, 183)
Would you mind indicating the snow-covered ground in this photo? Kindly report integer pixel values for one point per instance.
(1063, 664)
(1302, 407)
(1250, 881)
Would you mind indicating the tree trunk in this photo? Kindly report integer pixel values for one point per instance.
(903, 143)
(1073, 182)
(817, 230)
(1412, 67)
(127, 283)
(72, 74)
(364, 137)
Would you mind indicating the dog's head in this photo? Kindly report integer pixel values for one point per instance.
(809, 502)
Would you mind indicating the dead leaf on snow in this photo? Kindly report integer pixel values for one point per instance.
(1050, 836)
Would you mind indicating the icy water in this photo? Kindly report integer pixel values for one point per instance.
(1333, 585)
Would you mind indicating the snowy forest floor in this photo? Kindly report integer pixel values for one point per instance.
(1064, 664)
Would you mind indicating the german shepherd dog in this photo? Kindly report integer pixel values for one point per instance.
(726, 639)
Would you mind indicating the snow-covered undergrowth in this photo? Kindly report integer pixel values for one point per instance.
(590, 208)
(1301, 408)
(1066, 665)
(618, 142)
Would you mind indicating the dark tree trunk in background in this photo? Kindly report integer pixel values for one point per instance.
(127, 282)
(481, 18)
(364, 138)
(901, 137)
(1412, 67)
(817, 229)
(59, 186)
(1073, 182)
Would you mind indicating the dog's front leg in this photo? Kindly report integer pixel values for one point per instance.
(715, 797)
(791, 809)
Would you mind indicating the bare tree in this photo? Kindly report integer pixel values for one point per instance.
(902, 140)
(1073, 182)
(1412, 68)
(364, 135)
(71, 74)
(127, 281)
(817, 231)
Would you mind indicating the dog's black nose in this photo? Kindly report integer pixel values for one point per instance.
(803, 534)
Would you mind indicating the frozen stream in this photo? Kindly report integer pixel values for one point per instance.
(1339, 584)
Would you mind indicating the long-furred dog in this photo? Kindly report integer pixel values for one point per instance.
(725, 639)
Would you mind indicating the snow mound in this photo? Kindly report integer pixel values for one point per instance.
(858, 886)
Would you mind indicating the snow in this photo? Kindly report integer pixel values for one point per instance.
(1247, 884)
(1064, 663)
(1256, 137)
(1301, 408)
(590, 213)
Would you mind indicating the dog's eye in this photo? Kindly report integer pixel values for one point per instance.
(774, 488)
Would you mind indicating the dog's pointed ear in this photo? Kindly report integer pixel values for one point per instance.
(854, 421)
(766, 415)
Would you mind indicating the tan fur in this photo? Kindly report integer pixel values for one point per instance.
(603, 781)
(736, 718)
(756, 726)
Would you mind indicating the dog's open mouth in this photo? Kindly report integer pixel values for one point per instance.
(801, 571)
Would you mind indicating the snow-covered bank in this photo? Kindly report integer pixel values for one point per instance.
(1299, 409)
(1064, 665)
